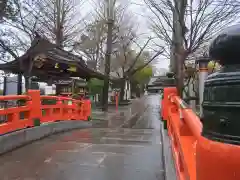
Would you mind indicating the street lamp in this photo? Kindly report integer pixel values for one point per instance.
(109, 10)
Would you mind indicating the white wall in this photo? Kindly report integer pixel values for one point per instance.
(127, 90)
(12, 86)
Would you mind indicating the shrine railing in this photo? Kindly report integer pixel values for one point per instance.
(32, 110)
(195, 156)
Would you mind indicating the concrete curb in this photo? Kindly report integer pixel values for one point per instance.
(168, 162)
(11, 141)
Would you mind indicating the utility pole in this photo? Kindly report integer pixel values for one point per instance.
(109, 4)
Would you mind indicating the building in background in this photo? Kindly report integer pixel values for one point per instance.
(10, 86)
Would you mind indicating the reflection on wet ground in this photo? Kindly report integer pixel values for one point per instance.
(115, 119)
(93, 154)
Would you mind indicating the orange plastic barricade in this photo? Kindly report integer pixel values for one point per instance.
(35, 109)
(198, 158)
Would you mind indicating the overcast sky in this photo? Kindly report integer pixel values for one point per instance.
(141, 13)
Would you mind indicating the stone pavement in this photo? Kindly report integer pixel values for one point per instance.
(97, 113)
(93, 154)
(115, 118)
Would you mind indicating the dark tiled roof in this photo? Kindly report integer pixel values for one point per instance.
(52, 53)
(162, 81)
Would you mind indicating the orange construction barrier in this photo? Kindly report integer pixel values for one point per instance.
(40, 108)
(197, 158)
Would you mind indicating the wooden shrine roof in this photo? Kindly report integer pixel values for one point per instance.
(48, 60)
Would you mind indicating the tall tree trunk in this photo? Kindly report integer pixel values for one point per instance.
(107, 65)
(59, 26)
(177, 51)
(180, 76)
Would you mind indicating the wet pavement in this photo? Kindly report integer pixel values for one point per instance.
(93, 154)
(126, 116)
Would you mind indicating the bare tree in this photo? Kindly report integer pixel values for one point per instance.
(8, 9)
(8, 12)
(59, 21)
(93, 41)
(186, 25)
(128, 55)
(130, 61)
(16, 35)
(125, 40)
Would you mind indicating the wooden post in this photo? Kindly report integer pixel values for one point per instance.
(35, 105)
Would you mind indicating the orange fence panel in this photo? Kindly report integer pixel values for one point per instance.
(15, 117)
(197, 158)
(165, 102)
(36, 109)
